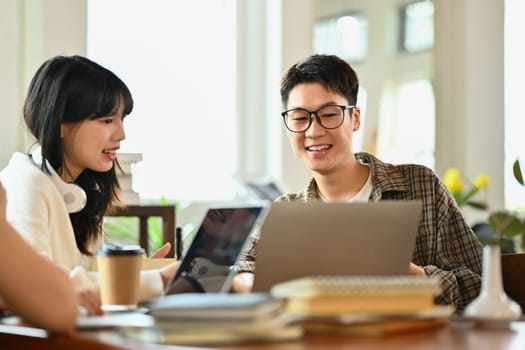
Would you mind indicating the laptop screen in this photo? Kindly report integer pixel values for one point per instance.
(209, 263)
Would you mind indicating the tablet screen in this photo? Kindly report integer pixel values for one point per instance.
(209, 263)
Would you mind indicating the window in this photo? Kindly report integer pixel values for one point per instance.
(179, 63)
(396, 88)
(417, 29)
(409, 107)
(344, 36)
(358, 139)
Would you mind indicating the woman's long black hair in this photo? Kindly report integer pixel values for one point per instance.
(71, 89)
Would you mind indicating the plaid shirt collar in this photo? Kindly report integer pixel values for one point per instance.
(385, 178)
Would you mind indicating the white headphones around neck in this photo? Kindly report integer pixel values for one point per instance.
(73, 195)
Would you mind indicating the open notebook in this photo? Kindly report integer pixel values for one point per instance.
(317, 238)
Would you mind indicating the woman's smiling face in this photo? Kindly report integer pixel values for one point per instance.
(91, 144)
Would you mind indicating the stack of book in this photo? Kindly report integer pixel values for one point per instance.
(126, 193)
(364, 305)
(215, 319)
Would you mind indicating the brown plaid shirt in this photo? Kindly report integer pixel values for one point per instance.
(446, 246)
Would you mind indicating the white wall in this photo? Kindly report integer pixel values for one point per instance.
(297, 21)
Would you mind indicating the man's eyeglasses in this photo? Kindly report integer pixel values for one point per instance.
(329, 117)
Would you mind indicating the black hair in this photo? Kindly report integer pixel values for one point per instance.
(332, 72)
(71, 89)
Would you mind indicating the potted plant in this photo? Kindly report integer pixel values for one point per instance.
(493, 304)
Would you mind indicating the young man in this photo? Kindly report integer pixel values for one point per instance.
(319, 96)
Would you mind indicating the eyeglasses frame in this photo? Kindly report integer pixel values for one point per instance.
(343, 108)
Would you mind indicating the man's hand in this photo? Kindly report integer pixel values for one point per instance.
(242, 282)
(416, 270)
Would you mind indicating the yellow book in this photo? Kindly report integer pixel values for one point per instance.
(338, 295)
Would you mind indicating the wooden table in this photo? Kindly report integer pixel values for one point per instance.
(458, 335)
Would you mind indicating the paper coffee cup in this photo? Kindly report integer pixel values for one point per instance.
(119, 272)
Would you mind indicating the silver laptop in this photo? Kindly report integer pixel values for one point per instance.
(306, 239)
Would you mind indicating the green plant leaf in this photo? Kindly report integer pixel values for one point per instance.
(517, 172)
(470, 194)
(123, 230)
(496, 241)
(163, 201)
(505, 224)
(155, 233)
(458, 198)
(477, 205)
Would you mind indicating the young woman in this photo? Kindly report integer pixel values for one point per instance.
(23, 271)
(59, 193)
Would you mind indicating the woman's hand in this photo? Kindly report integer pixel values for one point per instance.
(89, 300)
(168, 271)
(242, 282)
(162, 252)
